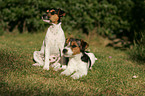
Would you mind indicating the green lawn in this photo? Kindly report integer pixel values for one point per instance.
(111, 74)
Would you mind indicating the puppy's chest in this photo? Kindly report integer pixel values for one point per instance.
(79, 60)
(54, 33)
(76, 62)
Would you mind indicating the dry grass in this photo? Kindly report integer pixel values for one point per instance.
(111, 75)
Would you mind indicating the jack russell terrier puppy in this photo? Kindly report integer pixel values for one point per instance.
(79, 60)
(54, 41)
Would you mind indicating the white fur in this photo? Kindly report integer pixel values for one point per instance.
(93, 59)
(69, 52)
(53, 58)
(76, 65)
(53, 42)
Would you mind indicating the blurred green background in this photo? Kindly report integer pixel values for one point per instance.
(109, 18)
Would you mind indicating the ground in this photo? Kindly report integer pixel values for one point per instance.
(112, 74)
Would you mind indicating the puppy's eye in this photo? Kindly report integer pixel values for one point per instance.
(53, 12)
(65, 44)
(73, 46)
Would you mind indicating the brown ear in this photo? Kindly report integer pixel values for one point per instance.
(47, 11)
(84, 45)
(61, 13)
(67, 41)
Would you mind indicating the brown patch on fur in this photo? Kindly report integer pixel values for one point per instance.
(67, 41)
(63, 14)
(84, 45)
(76, 50)
(52, 10)
(54, 18)
(55, 15)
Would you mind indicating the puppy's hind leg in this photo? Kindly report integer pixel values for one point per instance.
(38, 58)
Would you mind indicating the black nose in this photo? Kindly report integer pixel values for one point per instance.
(45, 17)
(64, 51)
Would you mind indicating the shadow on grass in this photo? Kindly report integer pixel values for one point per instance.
(138, 58)
(10, 61)
(138, 54)
(21, 92)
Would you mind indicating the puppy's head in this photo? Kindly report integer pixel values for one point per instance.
(74, 46)
(54, 15)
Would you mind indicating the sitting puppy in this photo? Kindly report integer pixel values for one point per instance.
(53, 43)
(79, 60)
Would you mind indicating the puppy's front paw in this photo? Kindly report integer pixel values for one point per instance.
(46, 68)
(78, 75)
(75, 76)
(65, 73)
(55, 65)
(62, 73)
(36, 64)
(63, 67)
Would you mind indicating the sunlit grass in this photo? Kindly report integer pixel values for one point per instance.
(111, 74)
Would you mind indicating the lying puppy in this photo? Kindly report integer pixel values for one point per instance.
(79, 60)
(53, 43)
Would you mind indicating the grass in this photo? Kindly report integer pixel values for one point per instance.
(111, 74)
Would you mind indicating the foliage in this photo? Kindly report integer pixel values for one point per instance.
(138, 53)
(111, 17)
(138, 20)
(1, 31)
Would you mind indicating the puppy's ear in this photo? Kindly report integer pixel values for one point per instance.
(61, 13)
(48, 10)
(67, 41)
(84, 45)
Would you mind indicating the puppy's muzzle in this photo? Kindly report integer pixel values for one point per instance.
(65, 51)
(45, 17)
